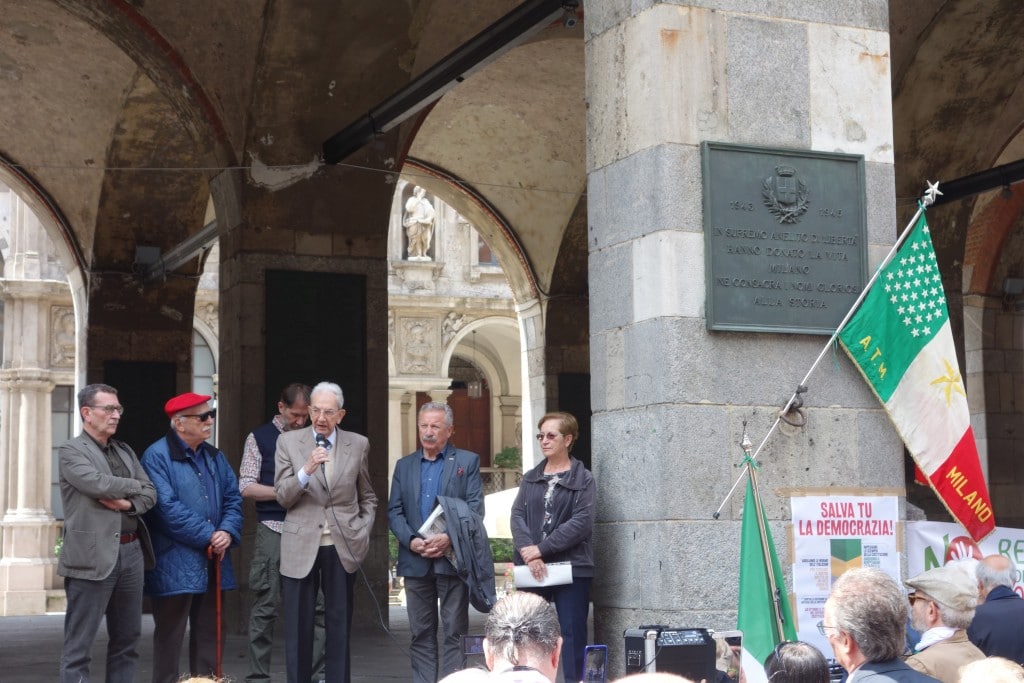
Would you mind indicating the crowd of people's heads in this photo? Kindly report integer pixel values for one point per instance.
(796, 662)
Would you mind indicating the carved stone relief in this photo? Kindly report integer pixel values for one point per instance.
(419, 342)
(62, 336)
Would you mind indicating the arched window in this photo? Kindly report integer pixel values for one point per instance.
(204, 371)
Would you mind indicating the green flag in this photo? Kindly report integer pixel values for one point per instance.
(901, 341)
(758, 602)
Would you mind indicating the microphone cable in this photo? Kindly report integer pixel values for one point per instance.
(359, 565)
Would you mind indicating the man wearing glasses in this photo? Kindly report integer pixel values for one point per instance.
(865, 623)
(322, 479)
(104, 490)
(436, 469)
(198, 516)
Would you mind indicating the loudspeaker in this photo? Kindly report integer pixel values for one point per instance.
(687, 652)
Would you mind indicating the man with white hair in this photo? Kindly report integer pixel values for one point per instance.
(941, 608)
(865, 623)
(996, 628)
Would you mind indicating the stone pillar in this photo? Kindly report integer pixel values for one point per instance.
(397, 398)
(661, 80)
(508, 406)
(408, 422)
(531, 343)
(27, 528)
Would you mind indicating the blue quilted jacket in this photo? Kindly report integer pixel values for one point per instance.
(179, 525)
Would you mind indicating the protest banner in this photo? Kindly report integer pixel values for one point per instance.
(830, 535)
(933, 544)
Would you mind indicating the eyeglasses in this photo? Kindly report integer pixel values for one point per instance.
(203, 417)
(914, 597)
(550, 436)
(822, 628)
(109, 409)
(329, 413)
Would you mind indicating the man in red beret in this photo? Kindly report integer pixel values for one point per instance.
(198, 509)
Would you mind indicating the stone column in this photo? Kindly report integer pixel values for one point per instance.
(669, 397)
(27, 528)
(397, 398)
(531, 343)
(508, 406)
(408, 422)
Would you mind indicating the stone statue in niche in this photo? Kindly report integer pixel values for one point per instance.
(419, 225)
(62, 323)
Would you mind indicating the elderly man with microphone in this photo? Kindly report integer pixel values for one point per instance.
(322, 480)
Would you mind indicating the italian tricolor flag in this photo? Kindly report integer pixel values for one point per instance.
(764, 617)
(901, 341)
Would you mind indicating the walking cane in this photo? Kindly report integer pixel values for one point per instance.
(209, 553)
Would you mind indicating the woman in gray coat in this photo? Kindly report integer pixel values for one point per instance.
(552, 521)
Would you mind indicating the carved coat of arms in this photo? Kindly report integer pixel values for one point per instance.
(785, 194)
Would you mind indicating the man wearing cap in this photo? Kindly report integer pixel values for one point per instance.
(941, 608)
(104, 490)
(996, 628)
(323, 481)
(198, 512)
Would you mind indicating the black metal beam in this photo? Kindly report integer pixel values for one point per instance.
(505, 33)
(983, 181)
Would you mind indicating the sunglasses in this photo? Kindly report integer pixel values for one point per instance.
(203, 417)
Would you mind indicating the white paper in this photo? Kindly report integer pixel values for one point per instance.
(436, 524)
(559, 574)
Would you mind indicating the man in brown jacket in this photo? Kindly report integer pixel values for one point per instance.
(322, 479)
(941, 608)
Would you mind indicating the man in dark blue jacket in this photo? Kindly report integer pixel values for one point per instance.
(198, 509)
(436, 469)
(996, 628)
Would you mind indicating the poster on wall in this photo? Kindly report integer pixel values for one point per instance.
(933, 544)
(830, 535)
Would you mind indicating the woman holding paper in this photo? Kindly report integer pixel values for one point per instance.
(552, 521)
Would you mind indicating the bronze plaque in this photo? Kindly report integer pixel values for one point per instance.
(784, 237)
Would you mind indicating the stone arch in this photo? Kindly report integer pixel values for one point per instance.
(58, 230)
(486, 358)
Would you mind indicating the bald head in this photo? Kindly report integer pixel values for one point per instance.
(994, 570)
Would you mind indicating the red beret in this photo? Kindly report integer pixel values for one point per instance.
(183, 402)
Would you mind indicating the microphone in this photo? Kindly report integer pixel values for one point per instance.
(321, 442)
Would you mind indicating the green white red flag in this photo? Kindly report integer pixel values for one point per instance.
(759, 600)
(901, 341)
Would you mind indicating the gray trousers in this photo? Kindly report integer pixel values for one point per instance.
(421, 598)
(118, 598)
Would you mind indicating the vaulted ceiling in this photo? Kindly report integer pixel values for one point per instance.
(120, 112)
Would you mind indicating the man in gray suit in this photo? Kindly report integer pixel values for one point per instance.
(322, 479)
(436, 469)
(106, 547)
(865, 623)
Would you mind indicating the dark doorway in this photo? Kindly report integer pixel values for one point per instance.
(142, 388)
(316, 331)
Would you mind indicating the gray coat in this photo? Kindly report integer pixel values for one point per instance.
(91, 531)
(573, 509)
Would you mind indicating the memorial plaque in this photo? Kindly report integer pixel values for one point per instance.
(784, 237)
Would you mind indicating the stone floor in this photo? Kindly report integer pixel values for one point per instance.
(30, 650)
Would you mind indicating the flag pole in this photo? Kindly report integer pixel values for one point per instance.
(927, 200)
(751, 471)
